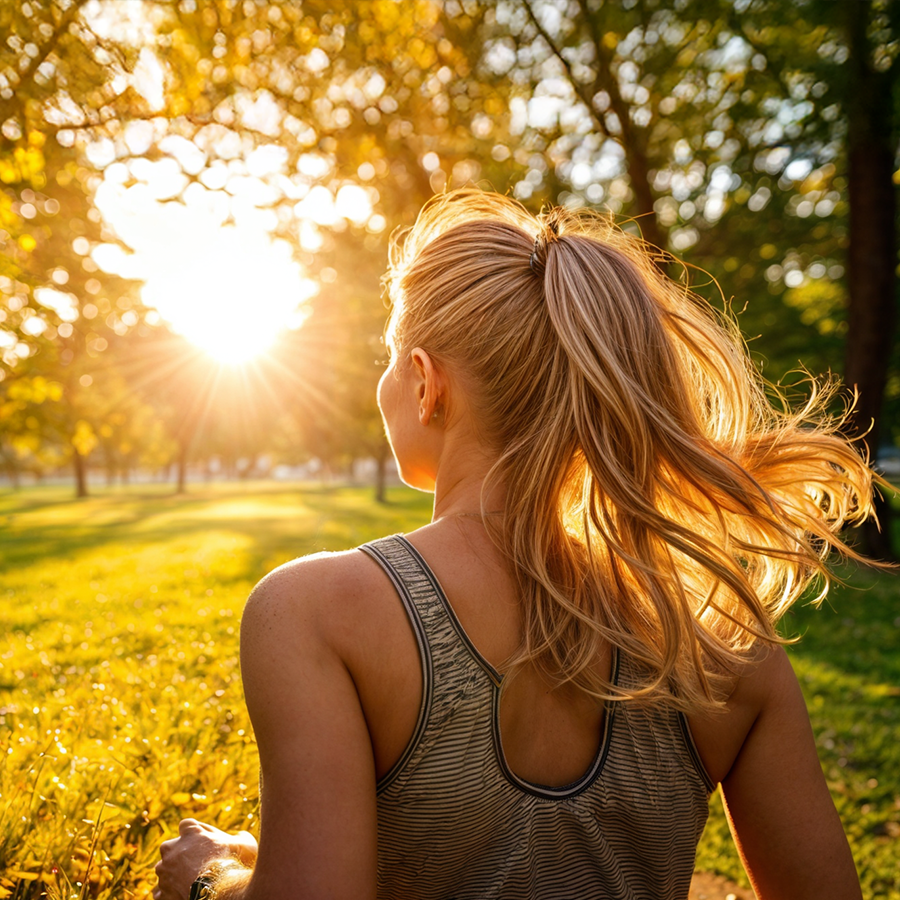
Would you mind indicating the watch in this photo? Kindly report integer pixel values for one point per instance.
(203, 889)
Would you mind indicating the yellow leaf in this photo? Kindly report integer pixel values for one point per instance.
(180, 798)
(8, 172)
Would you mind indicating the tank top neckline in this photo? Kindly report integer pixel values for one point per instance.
(550, 792)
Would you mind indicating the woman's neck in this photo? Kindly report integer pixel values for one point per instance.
(461, 485)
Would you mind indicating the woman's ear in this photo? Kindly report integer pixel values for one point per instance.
(430, 386)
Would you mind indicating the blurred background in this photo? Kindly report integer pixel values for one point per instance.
(196, 198)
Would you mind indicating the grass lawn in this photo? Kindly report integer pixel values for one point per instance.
(120, 699)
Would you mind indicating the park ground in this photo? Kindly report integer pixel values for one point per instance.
(120, 700)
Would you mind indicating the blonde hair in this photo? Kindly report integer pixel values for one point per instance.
(656, 501)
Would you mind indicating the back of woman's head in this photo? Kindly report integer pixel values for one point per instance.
(655, 499)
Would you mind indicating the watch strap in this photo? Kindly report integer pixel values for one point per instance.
(203, 889)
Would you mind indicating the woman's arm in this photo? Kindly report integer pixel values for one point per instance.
(318, 829)
(784, 823)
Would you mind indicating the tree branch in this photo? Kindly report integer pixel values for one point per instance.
(7, 109)
(631, 139)
(577, 86)
(606, 79)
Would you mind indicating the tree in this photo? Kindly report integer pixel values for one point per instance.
(374, 98)
(57, 305)
(717, 128)
(872, 133)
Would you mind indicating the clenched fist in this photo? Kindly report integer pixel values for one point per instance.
(184, 857)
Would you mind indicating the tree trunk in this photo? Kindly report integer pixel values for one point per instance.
(184, 438)
(12, 470)
(246, 470)
(79, 464)
(639, 175)
(181, 466)
(872, 260)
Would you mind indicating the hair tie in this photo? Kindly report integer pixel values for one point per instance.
(537, 245)
(549, 232)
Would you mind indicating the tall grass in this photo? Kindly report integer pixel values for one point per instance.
(120, 701)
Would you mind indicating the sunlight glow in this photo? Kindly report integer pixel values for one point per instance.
(209, 265)
(232, 296)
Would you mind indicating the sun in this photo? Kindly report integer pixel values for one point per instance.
(209, 265)
(230, 294)
(230, 344)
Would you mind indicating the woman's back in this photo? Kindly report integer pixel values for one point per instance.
(550, 737)
(456, 819)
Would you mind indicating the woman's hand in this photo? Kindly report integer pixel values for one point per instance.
(184, 857)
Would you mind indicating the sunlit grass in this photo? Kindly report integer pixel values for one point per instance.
(120, 700)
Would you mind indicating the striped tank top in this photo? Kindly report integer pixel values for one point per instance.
(455, 823)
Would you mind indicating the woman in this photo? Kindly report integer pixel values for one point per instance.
(534, 695)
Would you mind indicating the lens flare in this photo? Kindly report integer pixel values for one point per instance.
(232, 297)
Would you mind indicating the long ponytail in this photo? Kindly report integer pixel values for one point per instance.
(656, 500)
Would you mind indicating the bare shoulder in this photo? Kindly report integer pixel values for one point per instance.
(313, 593)
(315, 575)
(765, 681)
(314, 746)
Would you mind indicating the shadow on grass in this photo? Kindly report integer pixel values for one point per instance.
(278, 521)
